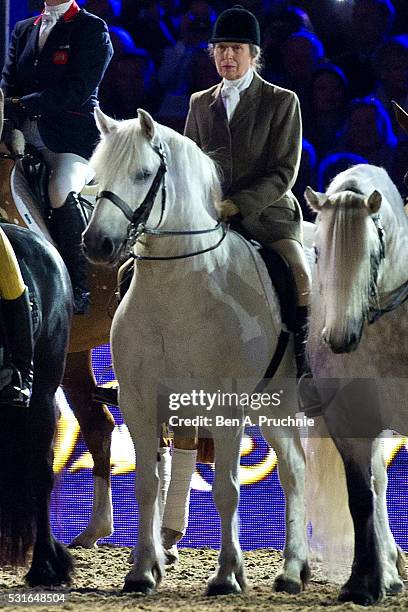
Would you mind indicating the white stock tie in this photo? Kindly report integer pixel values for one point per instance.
(230, 96)
(48, 21)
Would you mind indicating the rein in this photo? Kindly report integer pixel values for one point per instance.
(161, 233)
(140, 216)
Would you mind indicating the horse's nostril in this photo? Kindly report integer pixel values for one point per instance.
(107, 247)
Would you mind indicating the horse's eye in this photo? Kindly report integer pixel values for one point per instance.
(142, 175)
(316, 252)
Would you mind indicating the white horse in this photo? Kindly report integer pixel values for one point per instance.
(359, 342)
(210, 315)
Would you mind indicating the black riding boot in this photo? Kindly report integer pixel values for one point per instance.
(19, 327)
(309, 398)
(68, 223)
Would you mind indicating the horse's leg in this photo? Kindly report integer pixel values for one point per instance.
(176, 510)
(392, 558)
(148, 563)
(52, 563)
(364, 587)
(229, 577)
(97, 424)
(291, 466)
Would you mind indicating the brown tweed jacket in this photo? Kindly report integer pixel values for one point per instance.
(258, 154)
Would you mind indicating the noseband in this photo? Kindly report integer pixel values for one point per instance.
(139, 217)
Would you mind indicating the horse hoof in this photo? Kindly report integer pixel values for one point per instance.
(283, 584)
(225, 588)
(44, 578)
(358, 597)
(395, 588)
(138, 586)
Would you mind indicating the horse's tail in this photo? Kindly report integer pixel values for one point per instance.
(17, 489)
(331, 527)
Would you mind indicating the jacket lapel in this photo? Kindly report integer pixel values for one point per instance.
(217, 105)
(32, 38)
(247, 100)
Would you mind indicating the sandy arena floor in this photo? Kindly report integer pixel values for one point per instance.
(99, 577)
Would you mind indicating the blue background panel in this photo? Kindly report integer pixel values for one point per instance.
(262, 504)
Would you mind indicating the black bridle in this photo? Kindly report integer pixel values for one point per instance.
(142, 212)
(139, 217)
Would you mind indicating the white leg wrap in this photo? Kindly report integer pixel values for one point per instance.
(178, 497)
(164, 468)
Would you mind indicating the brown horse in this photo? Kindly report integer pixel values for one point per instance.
(88, 331)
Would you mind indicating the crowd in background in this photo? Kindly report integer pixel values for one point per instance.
(345, 60)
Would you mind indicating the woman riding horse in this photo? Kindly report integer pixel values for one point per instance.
(55, 64)
(17, 325)
(253, 130)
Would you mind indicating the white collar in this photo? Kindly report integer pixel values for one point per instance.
(58, 10)
(242, 83)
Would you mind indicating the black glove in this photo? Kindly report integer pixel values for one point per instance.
(235, 221)
(14, 111)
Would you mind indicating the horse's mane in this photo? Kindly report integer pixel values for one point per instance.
(350, 266)
(194, 175)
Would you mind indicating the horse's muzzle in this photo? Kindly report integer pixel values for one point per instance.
(101, 249)
(347, 344)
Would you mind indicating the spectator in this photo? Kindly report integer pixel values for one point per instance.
(333, 164)
(368, 132)
(149, 26)
(103, 9)
(187, 64)
(329, 99)
(306, 176)
(392, 69)
(371, 25)
(303, 53)
(128, 84)
(280, 27)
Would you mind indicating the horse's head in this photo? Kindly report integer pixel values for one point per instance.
(349, 248)
(129, 164)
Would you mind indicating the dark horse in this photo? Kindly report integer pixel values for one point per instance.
(26, 436)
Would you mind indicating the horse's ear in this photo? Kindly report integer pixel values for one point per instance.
(315, 199)
(401, 116)
(146, 123)
(373, 202)
(105, 124)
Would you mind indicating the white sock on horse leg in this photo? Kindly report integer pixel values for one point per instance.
(164, 469)
(178, 496)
